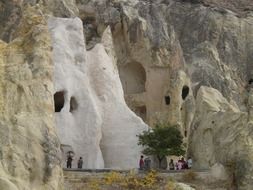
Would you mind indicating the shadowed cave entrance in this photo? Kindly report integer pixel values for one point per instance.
(58, 101)
(133, 78)
(167, 100)
(185, 92)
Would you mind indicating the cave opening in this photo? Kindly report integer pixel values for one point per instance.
(185, 92)
(185, 133)
(73, 104)
(250, 81)
(167, 100)
(133, 78)
(58, 101)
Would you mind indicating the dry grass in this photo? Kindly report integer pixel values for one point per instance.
(132, 181)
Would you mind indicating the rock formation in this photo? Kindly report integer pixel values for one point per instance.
(221, 133)
(92, 118)
(188, 62)
(168, 50)
(30, 149)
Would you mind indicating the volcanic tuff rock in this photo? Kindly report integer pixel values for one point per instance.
(30, 149)
(221, 133)
(94, 120)
(166, 51)
(13, 11)
(164, 47)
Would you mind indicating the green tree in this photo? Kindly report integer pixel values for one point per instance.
(161, 141)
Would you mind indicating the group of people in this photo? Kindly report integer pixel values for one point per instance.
(181, 164)
(79, 162)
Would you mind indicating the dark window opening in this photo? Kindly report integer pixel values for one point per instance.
(185, 133)
(167, 100)
(73, 104)
(250, 81)
(185, 92)
(58, 101)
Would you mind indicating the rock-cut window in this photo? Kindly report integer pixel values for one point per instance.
(185, 92)
(167, 100)
(73, 104)
(58, 101)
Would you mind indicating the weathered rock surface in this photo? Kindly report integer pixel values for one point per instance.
(221, 133)
(13, 11)
(164, 46)
(168, 52)
(219, 172)
(29, 147)
(94, 119)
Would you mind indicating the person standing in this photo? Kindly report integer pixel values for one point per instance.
(80, 163)
(69, 162)
(183, 163)
(141, 163)
(189, 162)
(179, 164)
(171, 165)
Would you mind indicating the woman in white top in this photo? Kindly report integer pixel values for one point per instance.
(189, 163)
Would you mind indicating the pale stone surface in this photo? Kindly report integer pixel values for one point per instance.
(184, 186)
(218, 171)
(102, 129)
(7, 185)
(221, 133)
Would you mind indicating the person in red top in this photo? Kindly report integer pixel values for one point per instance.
(141, 163)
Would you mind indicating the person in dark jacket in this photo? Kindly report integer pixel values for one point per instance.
(80, 163)
(69, 161)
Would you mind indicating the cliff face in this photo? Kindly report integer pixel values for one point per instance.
(29, 153)
(188, 62)
(92, 118)
(167, 51)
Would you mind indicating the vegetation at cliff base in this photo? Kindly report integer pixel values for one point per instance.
(161, 141)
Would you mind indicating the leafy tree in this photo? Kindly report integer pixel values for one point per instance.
(161, 141)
